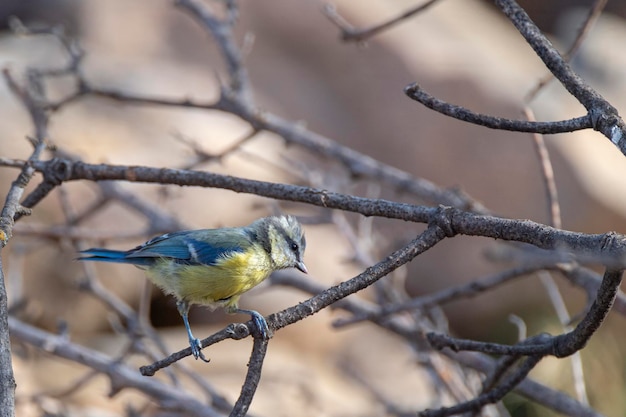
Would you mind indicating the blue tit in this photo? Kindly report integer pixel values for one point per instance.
(213, 267)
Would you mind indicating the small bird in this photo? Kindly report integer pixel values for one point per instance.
(213, 267)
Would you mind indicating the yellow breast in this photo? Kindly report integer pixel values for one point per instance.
(213, 284)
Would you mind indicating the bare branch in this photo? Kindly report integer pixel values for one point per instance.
(594, 13)
(348, 33)
(252, 378)
(558, 249)
(551, 398)
(222, 32)
(560, 346)
(604, 117)
(607, 249)
(490, 397)
(547, 174)
(473, 288)
(358, 164)
(12, 210)
(119, 374)
(417, 93)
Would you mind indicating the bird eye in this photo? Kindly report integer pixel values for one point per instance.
(294, 246)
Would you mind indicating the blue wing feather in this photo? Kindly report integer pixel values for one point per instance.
(200, 247)
(209, 254)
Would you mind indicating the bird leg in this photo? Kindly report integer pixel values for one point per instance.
(194, 343)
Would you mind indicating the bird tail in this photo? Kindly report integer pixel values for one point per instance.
(109, 255)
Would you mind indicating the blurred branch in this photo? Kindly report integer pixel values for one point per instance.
(528, 388)
(237, 100)
(73, 48)
(391, 409)
(358, 164)
(560, 346)
(547, 174)
(473, 288)
(221, 30)
(556, 298)
(11, 211)
(158, 221)
(592, 16)
(119, 374)
(492, 396)
(349, 33)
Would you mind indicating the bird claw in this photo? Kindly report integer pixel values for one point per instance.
(259, 321)
(196, 347)
(261, 325)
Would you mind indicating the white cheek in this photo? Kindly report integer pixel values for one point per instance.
(279, 257)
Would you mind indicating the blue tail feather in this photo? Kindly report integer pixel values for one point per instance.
(109, 255)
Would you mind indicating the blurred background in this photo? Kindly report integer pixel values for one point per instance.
(462, 51)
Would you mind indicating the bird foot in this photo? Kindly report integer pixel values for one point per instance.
(258, 320)
(196, 347)
(261, 325)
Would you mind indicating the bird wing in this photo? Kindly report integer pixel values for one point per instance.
(197, 247)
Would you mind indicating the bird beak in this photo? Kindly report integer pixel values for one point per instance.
(300, 265)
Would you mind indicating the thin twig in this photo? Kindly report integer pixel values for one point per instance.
(349, 33)
(490, 397)
(358, 164)
(119, 374)
(547, 174)
(559, 346)
(594, 13)
(223, 34)
(417, 93)
(528, 388)
(555, 295)
(604, 117)
(473, 288)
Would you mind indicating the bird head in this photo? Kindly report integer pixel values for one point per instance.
(283, 239)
